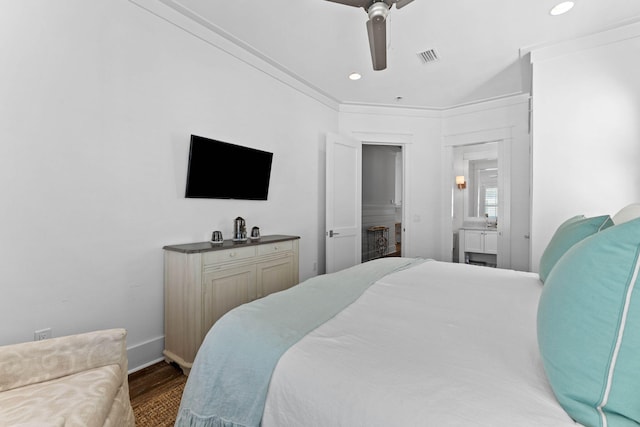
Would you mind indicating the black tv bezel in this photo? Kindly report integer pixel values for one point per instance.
(242, 169)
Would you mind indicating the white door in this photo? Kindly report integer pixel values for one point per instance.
(343, 202)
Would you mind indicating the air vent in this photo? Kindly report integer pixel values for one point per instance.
(428, 56)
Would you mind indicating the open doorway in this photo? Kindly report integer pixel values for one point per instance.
(382, 189)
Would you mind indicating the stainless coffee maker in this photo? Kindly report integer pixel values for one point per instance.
(239, 229)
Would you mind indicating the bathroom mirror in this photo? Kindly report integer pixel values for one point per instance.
(479, 165)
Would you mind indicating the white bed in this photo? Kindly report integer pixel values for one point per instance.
(438, 344)
(434, 344)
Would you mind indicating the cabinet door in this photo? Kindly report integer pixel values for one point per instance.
(224, 290)
(275, 275)
(491, 242)
(473, 241)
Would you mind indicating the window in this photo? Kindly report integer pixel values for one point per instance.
(490, 199)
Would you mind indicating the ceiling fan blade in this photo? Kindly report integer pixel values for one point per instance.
(402, 3)
(377, 30)
(354, 3)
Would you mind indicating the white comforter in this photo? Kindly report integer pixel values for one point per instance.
(439, 344)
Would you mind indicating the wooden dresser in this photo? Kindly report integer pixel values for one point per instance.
(202, 281)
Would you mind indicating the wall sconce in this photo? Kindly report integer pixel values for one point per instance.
(460, 182)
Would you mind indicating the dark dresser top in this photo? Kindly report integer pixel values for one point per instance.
(190, 248)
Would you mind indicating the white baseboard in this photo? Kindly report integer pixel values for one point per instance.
(145, 354)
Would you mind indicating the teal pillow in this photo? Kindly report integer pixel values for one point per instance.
(589, 328)
(568, 234)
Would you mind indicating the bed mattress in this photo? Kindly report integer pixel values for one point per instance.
(438, 344)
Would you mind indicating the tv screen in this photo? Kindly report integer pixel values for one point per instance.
(220, 170)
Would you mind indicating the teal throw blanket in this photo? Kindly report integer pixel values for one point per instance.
(228, 383)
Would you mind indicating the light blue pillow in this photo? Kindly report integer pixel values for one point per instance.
(568, 234)
(589, 328)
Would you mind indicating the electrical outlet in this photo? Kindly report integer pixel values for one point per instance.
(42, 334)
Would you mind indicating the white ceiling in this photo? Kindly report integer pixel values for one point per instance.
(482, 44)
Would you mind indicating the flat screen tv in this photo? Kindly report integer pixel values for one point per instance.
(220, 170)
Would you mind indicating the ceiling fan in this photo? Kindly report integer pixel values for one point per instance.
(376, 25)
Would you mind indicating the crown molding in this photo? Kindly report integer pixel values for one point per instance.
(488, 104)
(175, 13)
(628, 30)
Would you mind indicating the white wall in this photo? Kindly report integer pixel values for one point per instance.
(98, 102)
(586, 130)
(378, 174)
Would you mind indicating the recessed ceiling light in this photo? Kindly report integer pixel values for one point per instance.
(561, 8)
(355, 76)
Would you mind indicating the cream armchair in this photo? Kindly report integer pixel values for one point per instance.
(77, 380)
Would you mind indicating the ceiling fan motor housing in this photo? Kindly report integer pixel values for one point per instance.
(378, 11)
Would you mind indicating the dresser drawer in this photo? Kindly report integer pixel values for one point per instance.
(227, 255)
(271, 248)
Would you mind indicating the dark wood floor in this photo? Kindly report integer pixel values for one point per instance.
(152, 380)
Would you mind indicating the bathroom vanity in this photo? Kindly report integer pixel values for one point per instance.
(478, 246)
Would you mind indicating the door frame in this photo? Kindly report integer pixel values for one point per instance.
(404, 141)
(504, 139)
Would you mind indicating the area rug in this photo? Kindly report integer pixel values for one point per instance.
(161, 409)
